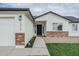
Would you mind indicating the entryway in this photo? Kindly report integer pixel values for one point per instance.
(39, 30)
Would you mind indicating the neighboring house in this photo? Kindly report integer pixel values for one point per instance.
(53, 25)
(16, 26)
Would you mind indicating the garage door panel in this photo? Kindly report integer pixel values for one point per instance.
(7, 32)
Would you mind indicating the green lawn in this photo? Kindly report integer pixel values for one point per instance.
(63, 49)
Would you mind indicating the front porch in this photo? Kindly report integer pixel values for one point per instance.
(56, 31)
(40, 28)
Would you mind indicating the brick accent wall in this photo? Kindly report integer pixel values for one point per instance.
(57, 34)
(20, 37)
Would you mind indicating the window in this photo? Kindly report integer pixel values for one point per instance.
(74, 27)
(57, 26)
(60, 27)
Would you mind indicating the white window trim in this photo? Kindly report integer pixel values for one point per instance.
(57, 26)
(73, 29)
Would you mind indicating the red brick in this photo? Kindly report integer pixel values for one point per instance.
(57, 34)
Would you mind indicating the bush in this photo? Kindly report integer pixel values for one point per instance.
(30, 43)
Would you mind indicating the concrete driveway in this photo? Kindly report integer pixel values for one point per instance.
(9, 51)
(39, 49)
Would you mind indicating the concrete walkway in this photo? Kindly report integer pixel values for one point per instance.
(39, 43)
(39, 49)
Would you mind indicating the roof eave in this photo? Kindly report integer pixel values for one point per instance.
(14, 9)
(74, 22)
(52, 13)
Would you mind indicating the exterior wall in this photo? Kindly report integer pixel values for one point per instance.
(51, 18)
(28, 28)
(26, 25)
(73, 33)
(57, 34)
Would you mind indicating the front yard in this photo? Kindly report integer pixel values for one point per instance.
(63, 49)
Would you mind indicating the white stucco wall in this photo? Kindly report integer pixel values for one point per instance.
(52, 18)
(28, 29)
(73, 33)
(27, 25)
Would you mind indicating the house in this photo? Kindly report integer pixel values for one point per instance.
(16, 26)
(51, 24)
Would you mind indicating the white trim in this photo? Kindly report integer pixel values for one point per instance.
(20, 46)
(41, 23)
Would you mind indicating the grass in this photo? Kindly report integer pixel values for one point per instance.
(63, 49)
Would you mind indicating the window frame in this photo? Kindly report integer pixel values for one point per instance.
(74, 27)
(55, 28)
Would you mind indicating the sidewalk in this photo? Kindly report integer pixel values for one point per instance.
(39, 47)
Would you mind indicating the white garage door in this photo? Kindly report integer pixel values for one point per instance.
(7, 32)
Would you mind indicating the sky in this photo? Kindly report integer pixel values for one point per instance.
(64, 9)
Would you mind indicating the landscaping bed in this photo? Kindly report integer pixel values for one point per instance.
(63, 49)
(30, 43)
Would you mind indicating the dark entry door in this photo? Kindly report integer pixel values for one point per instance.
(39, 29)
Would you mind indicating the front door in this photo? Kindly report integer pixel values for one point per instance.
(39, 29)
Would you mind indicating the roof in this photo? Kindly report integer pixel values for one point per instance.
(70, 18)
(52, 13)
(14, 9)
(17, 9)
(74, 19)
